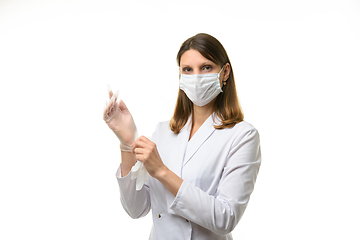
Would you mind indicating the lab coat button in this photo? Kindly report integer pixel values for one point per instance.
(159, 216)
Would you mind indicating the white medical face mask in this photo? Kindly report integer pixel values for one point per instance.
(201, 88)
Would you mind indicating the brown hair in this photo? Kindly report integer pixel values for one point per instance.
(226, 105)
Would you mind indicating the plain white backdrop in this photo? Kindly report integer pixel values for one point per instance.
(297, 70)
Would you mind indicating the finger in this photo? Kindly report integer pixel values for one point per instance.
(139, 144)
(122, 106)
(109, 105)
(109, 90)
(106, 106)
(140, 150)
(109, 111)
(146, 140)
(116, 94)
(140, 157)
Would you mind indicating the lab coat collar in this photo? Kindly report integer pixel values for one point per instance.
(201, 135)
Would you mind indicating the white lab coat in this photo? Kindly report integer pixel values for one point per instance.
(219, 169)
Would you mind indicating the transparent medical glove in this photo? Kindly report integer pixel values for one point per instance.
(119, 119)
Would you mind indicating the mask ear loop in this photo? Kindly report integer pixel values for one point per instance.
(224, 82)
(221, 70)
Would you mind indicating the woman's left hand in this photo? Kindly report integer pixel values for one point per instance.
(146, 152)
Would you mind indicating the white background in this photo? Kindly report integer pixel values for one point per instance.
(297, 70)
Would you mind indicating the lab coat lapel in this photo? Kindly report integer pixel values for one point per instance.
(201, 135)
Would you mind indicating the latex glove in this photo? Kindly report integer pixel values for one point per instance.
(140, 174)
(138, 171)
(120, 121)
(118, 118)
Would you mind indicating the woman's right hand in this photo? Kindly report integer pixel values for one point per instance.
(119, 120)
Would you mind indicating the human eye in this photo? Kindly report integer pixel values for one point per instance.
(206, 68)
(186, 70)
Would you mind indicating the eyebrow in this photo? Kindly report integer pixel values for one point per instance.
(202, 64)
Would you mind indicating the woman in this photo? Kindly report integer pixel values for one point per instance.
(203, 163)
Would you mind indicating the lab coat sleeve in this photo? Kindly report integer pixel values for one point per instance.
(135, 203)
(221, 213)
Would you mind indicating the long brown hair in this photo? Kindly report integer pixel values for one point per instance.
(226, 105)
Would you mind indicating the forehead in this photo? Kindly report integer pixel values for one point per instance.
(193, 58)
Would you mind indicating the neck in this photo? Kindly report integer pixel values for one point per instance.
(201, 114)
